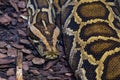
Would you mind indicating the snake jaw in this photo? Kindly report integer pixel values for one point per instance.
(46, 53)
(53, 53)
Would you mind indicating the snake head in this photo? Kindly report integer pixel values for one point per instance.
(45, 41)
(42, 30)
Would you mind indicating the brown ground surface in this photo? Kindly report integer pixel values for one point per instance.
(17, 55)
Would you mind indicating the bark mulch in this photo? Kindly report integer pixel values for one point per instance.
(18, 58)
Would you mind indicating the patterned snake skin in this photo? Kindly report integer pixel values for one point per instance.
(91, 35)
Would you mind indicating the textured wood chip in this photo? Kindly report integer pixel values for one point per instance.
(12, 2)
(3, 44)
(15, 15)
(25, 66)
(8, 46)
(6, 66)
(5, 19)
(17, 46)
(3, 51)
(29, 57)
(2, 55)
(21, 4)
(20, 20)
(27, 51)
(14, 22)
(50, 64)
(6, 61)
(53, 78)
(24, 41)
(44, 73)
(2, 78)
(10, 72)
(38, 61)
(35, 72)
(68, 74)
(22, 33)
(12, 78)
(12, 52)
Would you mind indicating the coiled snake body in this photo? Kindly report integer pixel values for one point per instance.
(91, 35)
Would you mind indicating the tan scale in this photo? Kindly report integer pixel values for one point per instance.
(114, 69)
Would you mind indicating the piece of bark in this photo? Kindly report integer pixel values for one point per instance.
(53, 78)
(21, 4)
(50, 64)
(27, 51)
(2, 78)
(5, 19)
(3, 51)
(6, 66)
(19, 72)
(68, 74)
(2, 55)
(22, 33)
(45, 72)
(12, 52)
(12, 78)
(35, 72)
(29, 57)
(18, 46)
(12, 2)
(25, 66)
(20, 20)
(10, 72)
(38, 61)
(14, 22)
(3, 44)
(24, 41)
(6, 61)
(15, 15)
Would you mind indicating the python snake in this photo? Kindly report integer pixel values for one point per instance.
(91, 35)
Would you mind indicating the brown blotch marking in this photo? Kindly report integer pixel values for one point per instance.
(47, 33)
(113, 68)
(42, 16)
(99, 47)
(42, 3)
(97, 29)
(92, 10)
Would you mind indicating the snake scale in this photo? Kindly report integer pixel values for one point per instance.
(90, 32)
